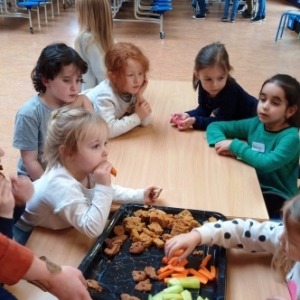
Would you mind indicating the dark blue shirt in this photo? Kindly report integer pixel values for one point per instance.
(6, 226)
(231, 103)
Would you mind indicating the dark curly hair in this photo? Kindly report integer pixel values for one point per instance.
(51, 61)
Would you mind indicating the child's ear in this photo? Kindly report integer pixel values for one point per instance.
(196, 74)
(291, 111)
(45, 82)
(65, 153)
(111, 76)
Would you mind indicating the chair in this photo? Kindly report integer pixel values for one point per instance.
(28, 5)
(283, 22)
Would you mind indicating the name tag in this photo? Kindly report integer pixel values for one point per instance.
(258, 147)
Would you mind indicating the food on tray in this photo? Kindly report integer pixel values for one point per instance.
(113, 172)
(94, 285)
(157, 192)
(144, 286)
(114, 244)
(198, 252)
(138, 276)
(136, 248)
(128, 297)
(119, 230)
(133, 223)
(151, 273)
(156, 228)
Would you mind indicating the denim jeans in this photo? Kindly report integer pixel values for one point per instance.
(235, 5)
(5, 295)
(261, 8)
(201, 9)
(20, 235)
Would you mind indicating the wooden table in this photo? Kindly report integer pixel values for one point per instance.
(192, 176)
(249, 276)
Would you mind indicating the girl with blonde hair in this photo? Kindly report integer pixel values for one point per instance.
(282, 239)
(76, 189)
(94, 38)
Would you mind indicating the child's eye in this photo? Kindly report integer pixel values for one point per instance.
(275, 103)
(96, 146)
(129, 75)
(66, 80)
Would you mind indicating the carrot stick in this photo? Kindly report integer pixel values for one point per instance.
(194, 272)
(163, 269)
(113, 171)
(182, 274)
(205, 260)
(178, 252)
(165, 274)
(165, 260)
(182, 263)
(213, 271)
(173, 261)
(203, 271)
(176, 268)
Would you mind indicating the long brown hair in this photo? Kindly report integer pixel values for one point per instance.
(95, 16)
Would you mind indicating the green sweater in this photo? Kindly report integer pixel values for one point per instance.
(274, 155)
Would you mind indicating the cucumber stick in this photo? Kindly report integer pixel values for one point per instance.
(186, 283)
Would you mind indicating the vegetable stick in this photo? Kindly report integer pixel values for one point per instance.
(205, 260)
(202, 279)
(203, 271)
(183, 274)
(194, 272)
(176, 268)
(166, 279)
(178, 252)
(163, 269)
(113, 171)
(182, 263)
(165, 274)
(173, 261)
(213, 271)
(164, 260)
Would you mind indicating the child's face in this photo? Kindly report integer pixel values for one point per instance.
(213, 79)
(91, 151)
(66, 85)
(290, 242)
(272, 107)
(134, 77)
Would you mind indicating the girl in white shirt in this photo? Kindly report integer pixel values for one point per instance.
(94, 38)
(280, 239)
(119, 99)
(76, 188)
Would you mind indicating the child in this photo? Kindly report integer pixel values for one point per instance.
(94, 39)
(57, 78)
(220, 97)
(235, 4)
(76, 188)
(282, 241)
(272, 138)
(119, 99)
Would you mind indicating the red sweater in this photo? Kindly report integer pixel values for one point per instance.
(15, 260)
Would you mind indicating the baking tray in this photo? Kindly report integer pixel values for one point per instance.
(114, 273)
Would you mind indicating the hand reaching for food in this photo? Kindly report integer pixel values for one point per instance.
(151, 194)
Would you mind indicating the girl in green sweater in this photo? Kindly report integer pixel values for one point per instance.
(272, 137)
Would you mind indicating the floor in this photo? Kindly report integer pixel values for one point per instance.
(251, 47)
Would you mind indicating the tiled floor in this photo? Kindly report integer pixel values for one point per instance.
(252, 50)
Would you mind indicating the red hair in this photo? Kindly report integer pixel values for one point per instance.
(116, 62)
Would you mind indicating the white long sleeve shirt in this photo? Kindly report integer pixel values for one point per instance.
(60, 201)
(250, 235)
(117, 113)
(94, 57)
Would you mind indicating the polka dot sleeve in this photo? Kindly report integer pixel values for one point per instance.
(249, 235)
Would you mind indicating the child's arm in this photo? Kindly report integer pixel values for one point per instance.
(249, 235)
(32, 165)
(84, 102)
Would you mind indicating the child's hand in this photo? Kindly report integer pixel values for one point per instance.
(143, 109)
(22, 189)
(150, 196)
(223, 147)
(187, 241)
(276, 298)
(102, 173)
(185, 124)
(176, 118)
(142, 88)
(7, 201)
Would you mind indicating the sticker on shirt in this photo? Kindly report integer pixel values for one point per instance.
(259, 147)
(292, 286)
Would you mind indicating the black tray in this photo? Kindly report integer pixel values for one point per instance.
(114, 273)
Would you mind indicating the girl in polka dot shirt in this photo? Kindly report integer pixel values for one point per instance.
(280, 239)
